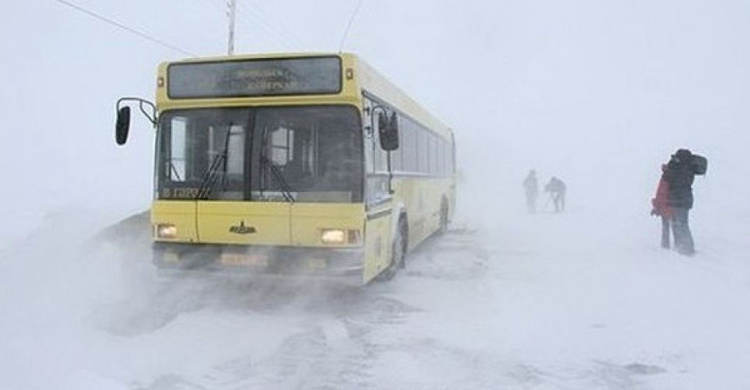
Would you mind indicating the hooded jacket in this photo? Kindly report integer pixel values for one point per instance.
(679, 175)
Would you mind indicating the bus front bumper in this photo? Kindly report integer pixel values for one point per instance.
(258, 260)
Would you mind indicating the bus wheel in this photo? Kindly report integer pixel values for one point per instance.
(443, 217)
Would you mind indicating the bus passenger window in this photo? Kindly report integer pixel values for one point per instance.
(409, 147)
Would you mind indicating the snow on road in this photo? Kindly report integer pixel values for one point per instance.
(502, 301)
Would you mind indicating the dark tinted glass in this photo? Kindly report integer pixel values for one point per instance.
(291, 76)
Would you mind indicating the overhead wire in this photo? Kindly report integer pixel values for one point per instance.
(349, 25)
(274, 30)
(124, 27)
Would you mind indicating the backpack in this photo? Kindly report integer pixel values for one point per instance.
(699, 164)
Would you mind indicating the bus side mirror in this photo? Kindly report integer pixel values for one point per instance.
(122, 127)
(382, 121)
(388, 129)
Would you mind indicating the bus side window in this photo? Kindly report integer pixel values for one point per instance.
(409, 147)
(380, 156)
(422, 151)
(397, 156)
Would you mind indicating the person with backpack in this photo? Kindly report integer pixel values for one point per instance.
(556, 189)
(679, 175)
(660, 207)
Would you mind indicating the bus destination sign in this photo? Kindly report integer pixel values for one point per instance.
(247, 78)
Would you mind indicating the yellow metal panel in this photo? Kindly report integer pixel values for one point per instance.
(378, 245)
(422, 197)
(256, 223)
(181, 214)
(309, 218)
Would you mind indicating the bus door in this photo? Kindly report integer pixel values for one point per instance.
(379, 225)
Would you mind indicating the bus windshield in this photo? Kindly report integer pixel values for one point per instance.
(305, 154)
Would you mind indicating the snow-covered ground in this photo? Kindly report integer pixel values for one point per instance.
(505, 300)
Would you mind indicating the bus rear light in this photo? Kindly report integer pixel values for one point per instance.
(166, 230)
(160, 82)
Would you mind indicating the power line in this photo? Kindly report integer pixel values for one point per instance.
(349, 25)
(124, 27)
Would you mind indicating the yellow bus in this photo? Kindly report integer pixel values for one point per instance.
(294, 164)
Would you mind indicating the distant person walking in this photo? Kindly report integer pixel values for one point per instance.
(680, 174)
(660, 207)
(556, 189)
(531, 188)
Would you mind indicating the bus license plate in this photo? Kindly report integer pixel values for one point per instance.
(244, 260)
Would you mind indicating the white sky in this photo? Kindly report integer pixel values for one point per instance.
(597, 93)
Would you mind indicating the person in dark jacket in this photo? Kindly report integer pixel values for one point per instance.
(680, 176)
(556, 189)
(661, 208)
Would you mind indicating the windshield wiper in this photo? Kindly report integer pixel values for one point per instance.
(209, 179)
(286, 189)
(212, 173)
(173, 169)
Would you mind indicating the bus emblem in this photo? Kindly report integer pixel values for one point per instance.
(241, 229)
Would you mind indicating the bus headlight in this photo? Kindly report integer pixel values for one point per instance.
(166, 230)
(339, 236)
(333, 236)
